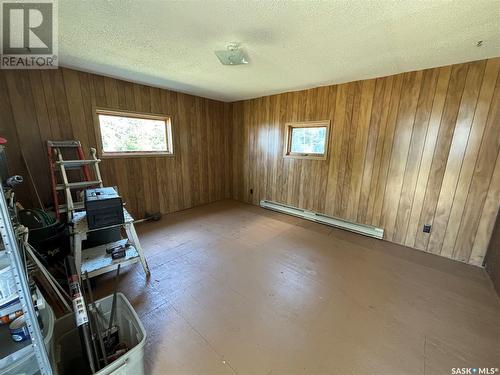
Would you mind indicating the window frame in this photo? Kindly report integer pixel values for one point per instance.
(289, 126)
(134, 114)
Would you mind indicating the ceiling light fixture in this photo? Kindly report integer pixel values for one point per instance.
(233, 55)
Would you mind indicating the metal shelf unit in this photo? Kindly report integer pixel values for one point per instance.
(12, 351)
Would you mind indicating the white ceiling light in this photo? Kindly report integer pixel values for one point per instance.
(233, 55)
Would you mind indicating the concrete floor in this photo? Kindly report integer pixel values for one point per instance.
(237, 289)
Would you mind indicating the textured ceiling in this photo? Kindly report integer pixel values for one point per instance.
(291, 45)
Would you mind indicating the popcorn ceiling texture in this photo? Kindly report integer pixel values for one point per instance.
(291, 45)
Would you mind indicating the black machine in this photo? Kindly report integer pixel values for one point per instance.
(104, 207)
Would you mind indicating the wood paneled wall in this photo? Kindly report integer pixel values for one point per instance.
(406, 150)
(58, 104)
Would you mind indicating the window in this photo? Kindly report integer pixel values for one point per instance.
(307, 139)
(124, 133)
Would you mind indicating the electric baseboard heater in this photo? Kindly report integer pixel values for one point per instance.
(366, 230)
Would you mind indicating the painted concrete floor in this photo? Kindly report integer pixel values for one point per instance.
(237, 289)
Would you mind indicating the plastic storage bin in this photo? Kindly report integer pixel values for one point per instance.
(67, 351)
(22, 359)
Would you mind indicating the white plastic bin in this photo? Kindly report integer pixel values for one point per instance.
(67, 352)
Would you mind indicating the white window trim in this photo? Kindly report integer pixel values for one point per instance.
(305, 124)
(151, 116)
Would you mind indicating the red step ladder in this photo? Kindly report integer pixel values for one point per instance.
(63, 190)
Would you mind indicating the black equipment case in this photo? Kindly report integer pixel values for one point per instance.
(104, 207)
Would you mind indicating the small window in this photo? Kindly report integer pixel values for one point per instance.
(133, 134)
(307, 139)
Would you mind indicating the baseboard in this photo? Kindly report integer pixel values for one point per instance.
(366, 230)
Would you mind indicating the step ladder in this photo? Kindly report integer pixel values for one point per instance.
(63, 190)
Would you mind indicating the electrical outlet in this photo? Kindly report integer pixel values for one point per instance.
(427, 228)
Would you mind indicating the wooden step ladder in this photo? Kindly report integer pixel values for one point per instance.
(62, 189)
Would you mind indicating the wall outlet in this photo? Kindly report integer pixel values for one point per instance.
(427, 228)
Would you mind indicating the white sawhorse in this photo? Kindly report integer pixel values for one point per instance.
(95, 261)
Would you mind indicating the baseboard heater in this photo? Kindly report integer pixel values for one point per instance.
(366, 230)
